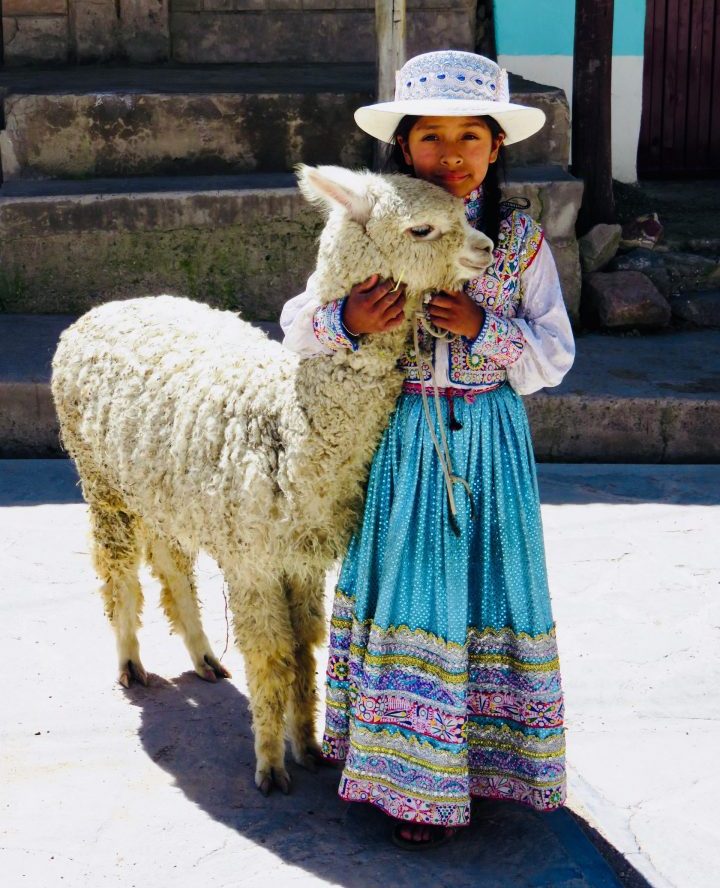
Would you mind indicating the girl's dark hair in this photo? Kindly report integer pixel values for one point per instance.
(394, 162)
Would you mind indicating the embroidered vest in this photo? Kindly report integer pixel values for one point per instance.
(499, 290)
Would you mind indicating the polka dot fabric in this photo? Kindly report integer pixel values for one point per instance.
(443, 680)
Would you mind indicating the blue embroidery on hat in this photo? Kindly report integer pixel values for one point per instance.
(451, 74)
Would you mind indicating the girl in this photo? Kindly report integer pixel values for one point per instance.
(443, 680)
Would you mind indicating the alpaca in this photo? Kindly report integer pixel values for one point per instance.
(192, 430)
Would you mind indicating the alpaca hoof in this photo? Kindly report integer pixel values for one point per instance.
(210, 669)
(207, 674)
(133, 671)
(310, 757)
(265, 781)
(282, 779)
(217, 667)
(308, 762)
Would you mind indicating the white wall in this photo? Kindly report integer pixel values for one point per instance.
(627, 74)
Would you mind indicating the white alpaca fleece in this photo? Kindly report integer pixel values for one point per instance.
(191, 430)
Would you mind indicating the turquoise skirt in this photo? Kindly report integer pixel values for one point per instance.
(443, 680)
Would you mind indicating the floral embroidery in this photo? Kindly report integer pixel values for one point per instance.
(482, 362)
(474, 206)
(408, 362)
(422, 724)
(402, 806)
(500, 341)
(530, 246)
(329, 328)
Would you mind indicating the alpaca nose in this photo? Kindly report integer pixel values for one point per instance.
(478, 253)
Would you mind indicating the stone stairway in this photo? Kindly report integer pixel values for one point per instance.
(619, 403)
(123, 181)
(119, 182)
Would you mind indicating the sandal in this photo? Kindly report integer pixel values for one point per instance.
(439, 835)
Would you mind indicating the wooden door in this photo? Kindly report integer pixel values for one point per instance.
(680, 130)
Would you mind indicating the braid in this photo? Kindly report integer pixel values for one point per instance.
(491, 186)
(491, 202)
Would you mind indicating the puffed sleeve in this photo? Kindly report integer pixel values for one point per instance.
(313, 329)
(548, 348)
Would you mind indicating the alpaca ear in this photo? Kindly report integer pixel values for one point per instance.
(333, 186)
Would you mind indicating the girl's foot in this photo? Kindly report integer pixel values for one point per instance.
(419, 836)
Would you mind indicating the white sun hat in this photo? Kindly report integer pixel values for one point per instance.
(451, 83)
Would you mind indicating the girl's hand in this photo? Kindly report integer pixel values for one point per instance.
(372, 308)
(455, 311)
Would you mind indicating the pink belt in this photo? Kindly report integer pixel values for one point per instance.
(469, 395)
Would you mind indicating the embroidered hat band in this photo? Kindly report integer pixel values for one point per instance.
(450, 83)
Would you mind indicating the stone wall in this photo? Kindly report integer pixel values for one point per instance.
(41, 32)
(37, 32)
(208, 31)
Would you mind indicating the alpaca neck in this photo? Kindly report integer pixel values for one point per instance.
(352, 389)
(347, 399)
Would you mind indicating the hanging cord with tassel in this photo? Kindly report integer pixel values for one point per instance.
(443, 452)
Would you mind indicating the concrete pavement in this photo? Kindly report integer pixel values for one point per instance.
(105, 787)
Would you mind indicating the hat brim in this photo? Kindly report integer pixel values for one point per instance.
(518, 121)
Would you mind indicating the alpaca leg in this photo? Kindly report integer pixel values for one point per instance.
(305, 594)
(116, 556)
(264, 635)
(174, 569)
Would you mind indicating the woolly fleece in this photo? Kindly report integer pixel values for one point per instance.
(190, 429)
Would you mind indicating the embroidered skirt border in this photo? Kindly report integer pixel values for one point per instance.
(423, 724)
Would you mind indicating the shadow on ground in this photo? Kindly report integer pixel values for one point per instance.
(200, 734)
(585, 483)
(38, 482)
(34, 482)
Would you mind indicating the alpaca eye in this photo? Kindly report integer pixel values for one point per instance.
(425, 232)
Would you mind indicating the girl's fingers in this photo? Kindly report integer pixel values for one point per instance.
(382, 291)
(440, 312)
(388, 290)
(368, 283)
(443, 300)
(395, 298)
(391, 307)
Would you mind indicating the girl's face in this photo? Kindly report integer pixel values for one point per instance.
(453, 152)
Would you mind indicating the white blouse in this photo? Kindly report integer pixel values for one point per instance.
(537, 319)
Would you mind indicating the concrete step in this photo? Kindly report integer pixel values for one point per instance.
(118, 122)
(111, 124)
(650, 399)
(244, 242)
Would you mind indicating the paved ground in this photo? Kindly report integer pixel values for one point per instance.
(103, 787)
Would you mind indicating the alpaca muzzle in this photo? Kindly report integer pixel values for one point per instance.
(477, 254)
